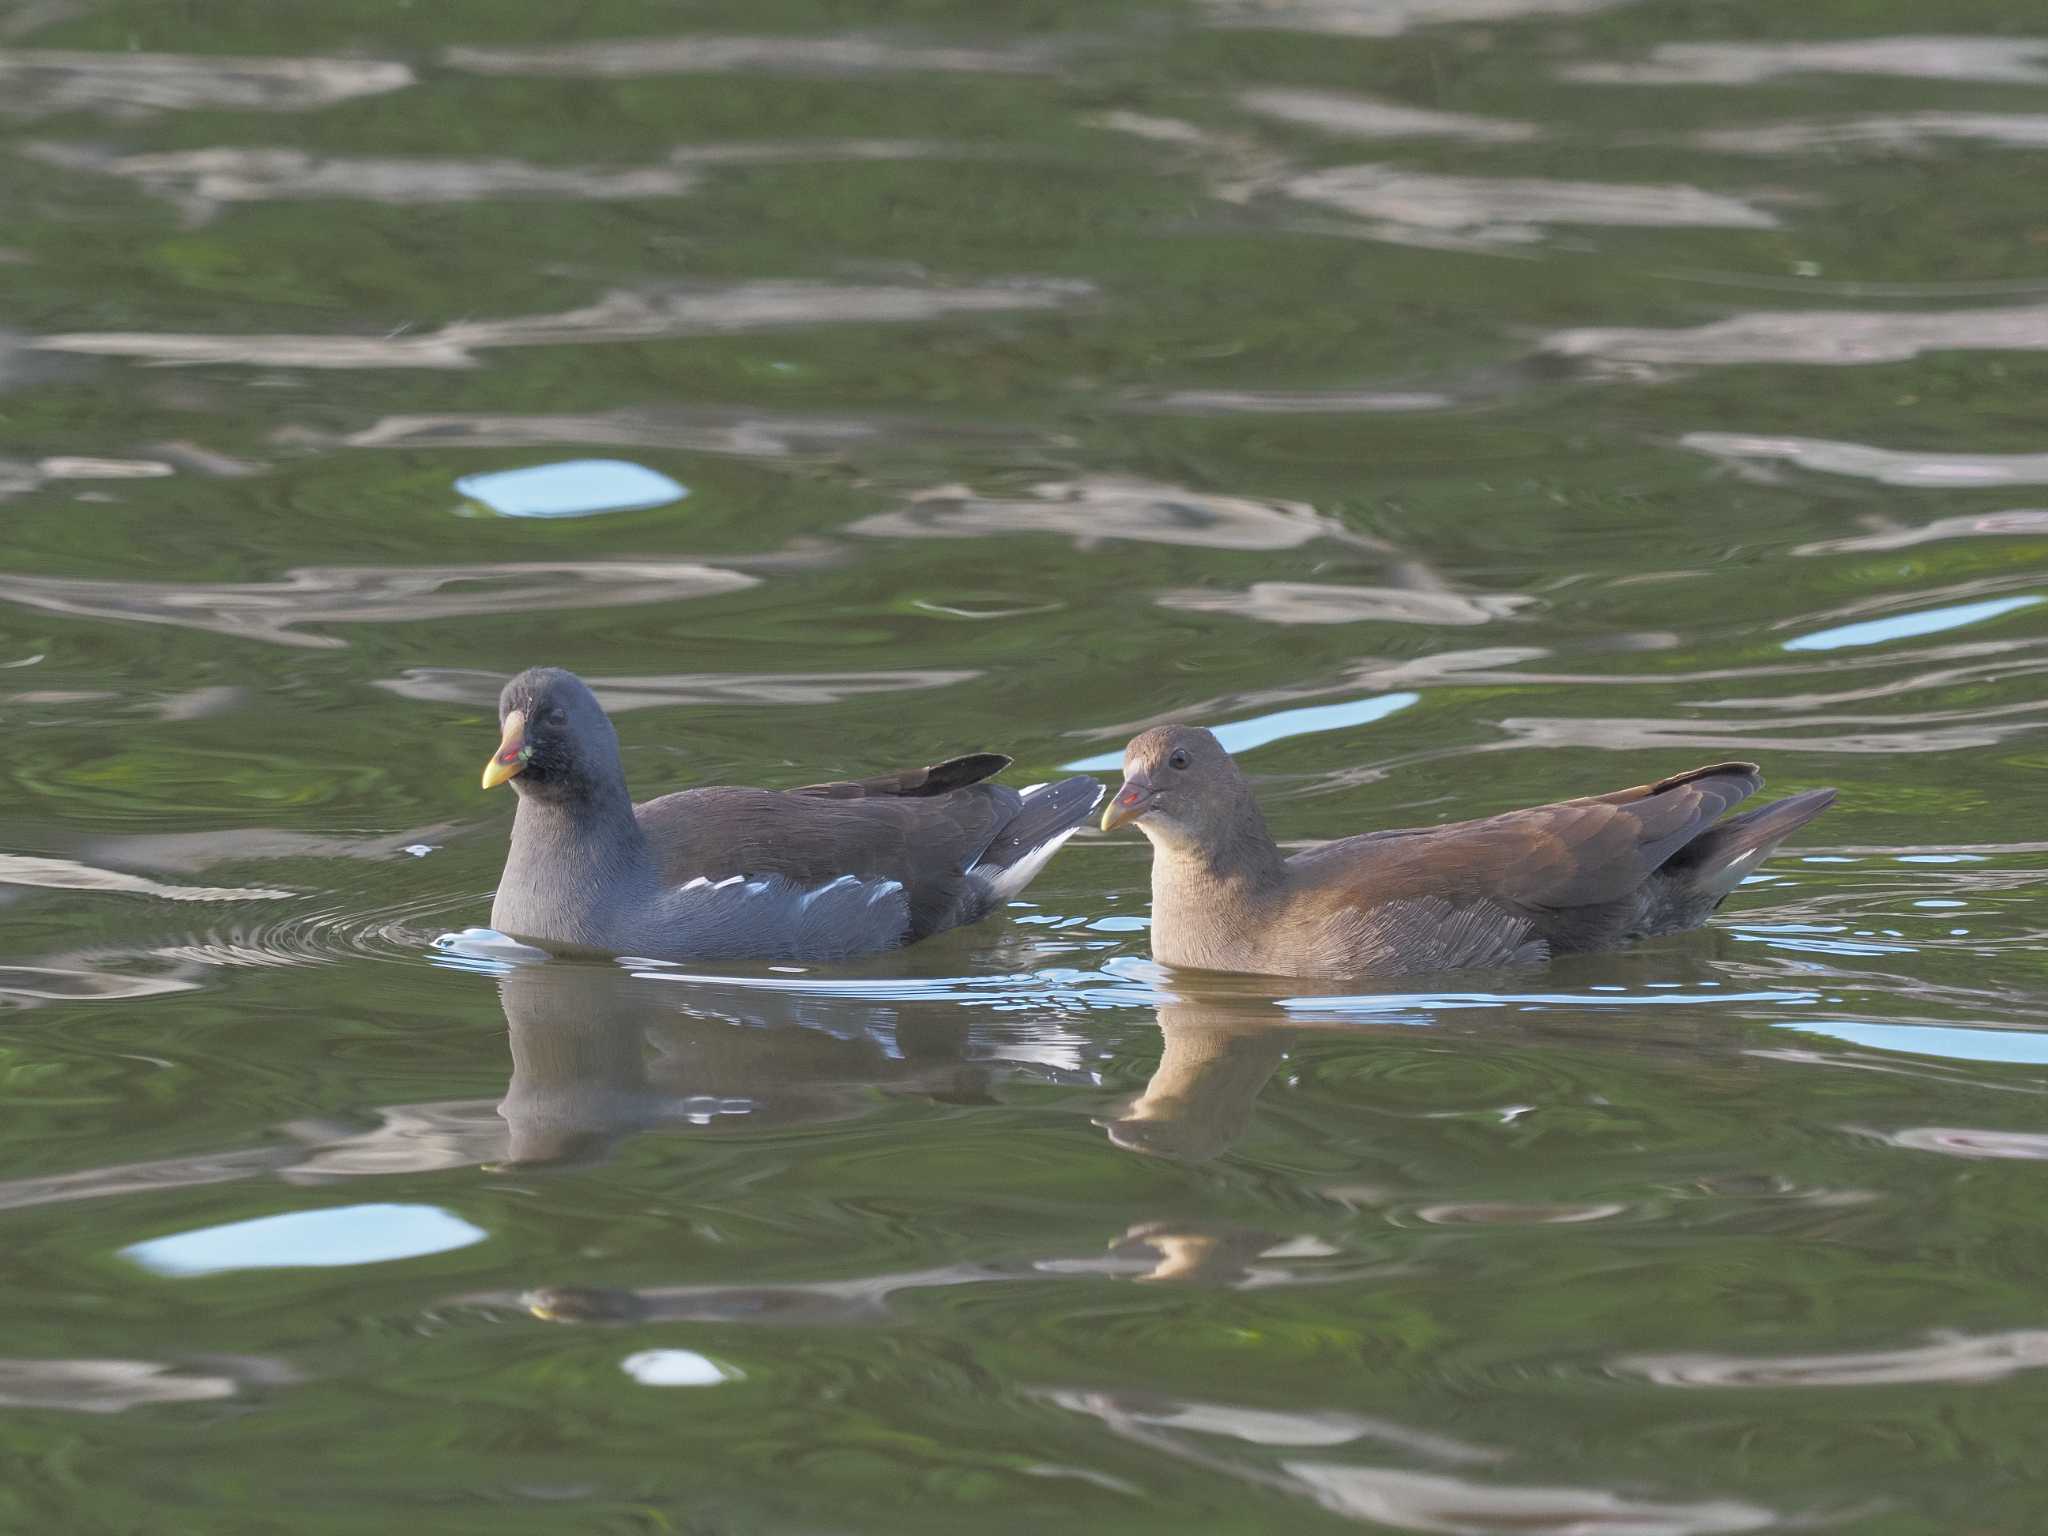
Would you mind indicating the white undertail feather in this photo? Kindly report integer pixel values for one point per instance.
(1738, 869)
(1009, 882)
(1006, 882)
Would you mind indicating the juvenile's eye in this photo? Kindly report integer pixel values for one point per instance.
(1178, 760)
(553, 715)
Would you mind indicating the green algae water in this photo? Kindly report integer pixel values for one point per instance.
(1458, 403)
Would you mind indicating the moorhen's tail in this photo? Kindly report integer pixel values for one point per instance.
(1050, 814)
(1728, 852)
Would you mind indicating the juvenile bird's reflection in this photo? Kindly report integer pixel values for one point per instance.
(1223, 1037)
(1215, 1057)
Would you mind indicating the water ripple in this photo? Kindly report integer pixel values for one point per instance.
(1966, 1141)
(2028, 522)
(1959, 1358)
(1112, 507)
(1421, 1501)
(1885, 466)
(1904, 626)
(38, 81)
(1287, 402)
(847, 54)
(200, 181)
(1303, 602)
(622, 315)
(273, 611)
(455, 685)
(1245, 735)
(1407, 1500)
(1405, 205)
(36, 985)
(1893, 133)
(104, 1386)
(1386, 18)
(735, 432)
(1814, 337)
(1362, 117)
(70, 875)
(19, 478)
(2002, 60)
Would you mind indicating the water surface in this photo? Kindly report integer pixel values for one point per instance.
(1460, 403)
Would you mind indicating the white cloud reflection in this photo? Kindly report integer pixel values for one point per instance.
(619, 695)
(273, 611)
(70, 875)
(1109, 507)
(1999, 60)
(1885, 466)
(1307, 602)
(1820, 337)
(621, 315)
(1960, 1359)
(1434, 1502)
(103, 1386)
(1386, 18)
(1405, 205)
(2031, 522)
(36, 81)
(848, 54)
(1364, 117)
(1893, 133)
(200, 180)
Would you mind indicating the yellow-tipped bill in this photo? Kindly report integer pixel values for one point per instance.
(512, 755)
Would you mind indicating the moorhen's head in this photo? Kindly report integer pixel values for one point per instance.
(1182, 789)
(557, 742)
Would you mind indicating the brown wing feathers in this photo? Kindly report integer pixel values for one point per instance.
(914, 783)
(1587, 852)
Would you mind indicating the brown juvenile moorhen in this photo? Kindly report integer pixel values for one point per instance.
(1512, 889)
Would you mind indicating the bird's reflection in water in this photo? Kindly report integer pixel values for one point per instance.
(600, 1055)
(1215, 1056)
(1221, 1040)
(1223, 1037)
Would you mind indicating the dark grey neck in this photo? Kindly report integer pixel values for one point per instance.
(579, 867)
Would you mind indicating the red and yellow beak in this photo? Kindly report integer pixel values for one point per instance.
(513, 754)
(1128, 803)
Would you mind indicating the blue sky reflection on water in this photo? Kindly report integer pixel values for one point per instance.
(853, 386)
(2018, 1046)
(1904, 626)
(1244, 735)
(573, 488)
(333, 1238)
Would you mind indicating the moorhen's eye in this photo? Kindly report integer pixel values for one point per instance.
(1178, 760)
(554, 714)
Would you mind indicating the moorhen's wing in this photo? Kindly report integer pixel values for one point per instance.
(922, 829)
(1574, 875)
(1572, 853)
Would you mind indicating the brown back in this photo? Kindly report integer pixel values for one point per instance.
(1573, 853)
